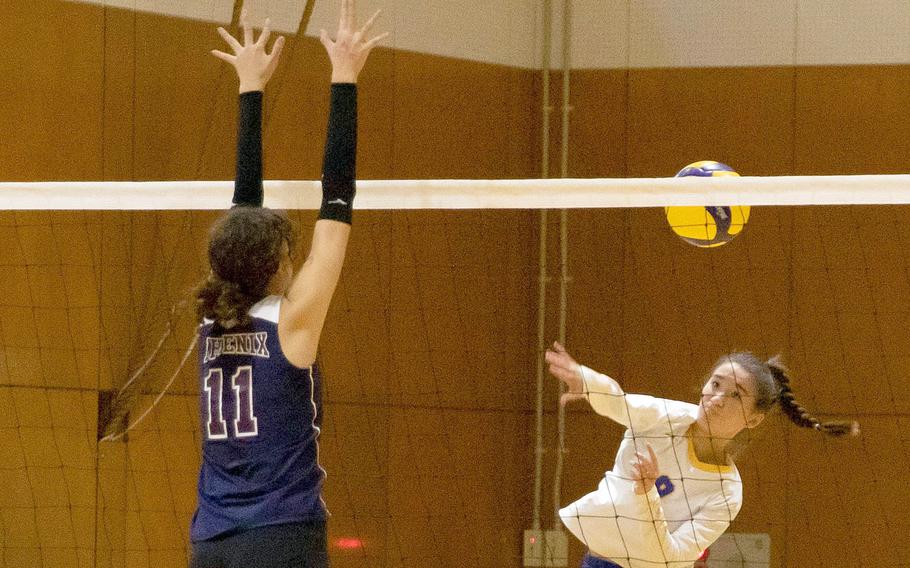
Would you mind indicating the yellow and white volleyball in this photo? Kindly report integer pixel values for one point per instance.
(708, 226)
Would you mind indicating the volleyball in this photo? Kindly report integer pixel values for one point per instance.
(708, 226)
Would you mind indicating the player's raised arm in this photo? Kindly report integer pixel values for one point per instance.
(310, 294)
(254, 66)
(564, 367)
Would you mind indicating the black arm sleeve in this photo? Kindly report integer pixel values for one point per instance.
(339, 162)
(248, 183)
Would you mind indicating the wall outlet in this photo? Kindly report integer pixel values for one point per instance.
(546, 548)
(740, 550)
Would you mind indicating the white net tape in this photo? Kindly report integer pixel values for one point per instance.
(473, 194)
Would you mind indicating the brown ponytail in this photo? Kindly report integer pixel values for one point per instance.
(244, 253)
(799, 415)
(223, 302)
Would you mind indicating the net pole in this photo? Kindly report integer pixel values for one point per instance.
(539, 449)
(563, 247)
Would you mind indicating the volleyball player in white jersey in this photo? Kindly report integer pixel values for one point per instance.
(674, 488)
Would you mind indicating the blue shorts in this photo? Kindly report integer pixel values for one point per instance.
(595, 562)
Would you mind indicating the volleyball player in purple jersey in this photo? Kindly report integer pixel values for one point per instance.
(259, 492)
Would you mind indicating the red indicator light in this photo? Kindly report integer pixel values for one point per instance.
(348, 543)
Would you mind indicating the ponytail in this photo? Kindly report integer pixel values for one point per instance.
(245, 252)
(223, 301)
(799, 415)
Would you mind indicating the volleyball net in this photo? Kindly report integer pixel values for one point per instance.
(429, 358)
(473, 194)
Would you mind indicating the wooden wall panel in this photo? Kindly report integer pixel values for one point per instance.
(175, 96)
(429, 351)
(119, 101)
(52, 83)
(740, 116)
(479, 99)
(850, 120)
(598, 122)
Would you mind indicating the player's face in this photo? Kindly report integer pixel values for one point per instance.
(728, 401)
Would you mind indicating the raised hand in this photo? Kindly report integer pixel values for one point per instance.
(254, 66)
(349, 50)
(563, 367)
(645, 471)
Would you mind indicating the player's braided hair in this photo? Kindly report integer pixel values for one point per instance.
(244, 254)
(772, 385)
(799, 415)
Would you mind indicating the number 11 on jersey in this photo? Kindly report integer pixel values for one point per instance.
(245, 423)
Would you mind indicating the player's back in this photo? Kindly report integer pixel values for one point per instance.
(260, 426)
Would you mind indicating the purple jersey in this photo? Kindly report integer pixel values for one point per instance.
(260, 425)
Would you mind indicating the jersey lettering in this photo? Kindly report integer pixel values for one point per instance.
(253, 344)
(664, 485)
(215, 425)
(245, 423)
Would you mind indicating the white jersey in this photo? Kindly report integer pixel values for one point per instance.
(690, 506)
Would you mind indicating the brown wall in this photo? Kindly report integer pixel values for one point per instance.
(827, 287)
(429, 349)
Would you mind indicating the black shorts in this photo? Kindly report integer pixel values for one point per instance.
(292, 545)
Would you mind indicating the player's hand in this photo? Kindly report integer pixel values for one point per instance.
(645, 471)
(254, 66)
(349, 50)
(563, 367)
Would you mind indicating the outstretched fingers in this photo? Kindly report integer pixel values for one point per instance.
(348, 20)
(266, 32)
(277, 47)
(224, 56)
(647, 464)
(233, 43)
(349, 48)
(369, 23)
(275, 55)
(644, 470)
(254, 65)
(370, 44)
(653, 457)
(247, 30)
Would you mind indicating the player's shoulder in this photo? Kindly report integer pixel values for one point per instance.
(680, 409)
(672, 408)
(681, 414)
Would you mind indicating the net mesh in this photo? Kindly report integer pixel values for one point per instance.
(428, 352)
(428, 361)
